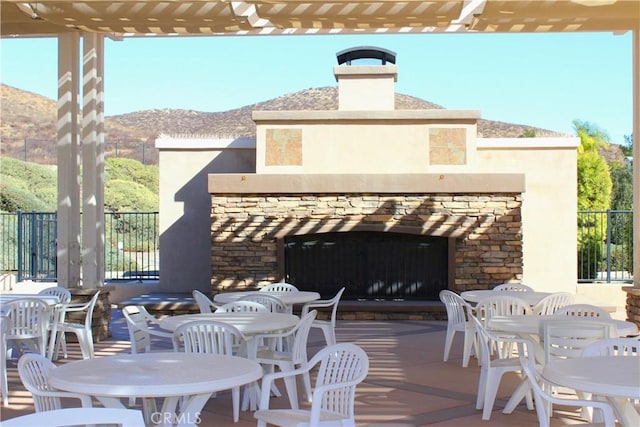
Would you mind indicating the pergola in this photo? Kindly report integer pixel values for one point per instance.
(82, 26)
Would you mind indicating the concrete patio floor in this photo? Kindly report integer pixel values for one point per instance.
(408, 383)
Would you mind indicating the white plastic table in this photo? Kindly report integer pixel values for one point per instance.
(615, 377)
(530, 297)
(49, 299)
(288, 298)
(250, 324)
(530, 324)
(170, 375)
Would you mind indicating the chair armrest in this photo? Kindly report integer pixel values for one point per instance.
(306, 308)
(85, 400)
(268, 379)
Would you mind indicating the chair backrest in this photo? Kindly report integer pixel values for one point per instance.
(301, 337)
(34, 370)
(138, 319)
(88, 307)
(582, 310)
(79, 416)
(63, 294)
(501, 305)
(29, 318)
(334, 305)
(551, 303)
(518, 287)
(613, 347)
(279, 287)
(207, 336)
(273, 303)
(241, 306)
(344, 365)
(203, 301)
(568, 337)
(456, 308)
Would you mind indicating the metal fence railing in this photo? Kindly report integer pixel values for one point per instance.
(27, 245)
(605, 246)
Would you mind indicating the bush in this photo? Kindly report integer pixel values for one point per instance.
(127, 196)
(132, 170)
(590, 256)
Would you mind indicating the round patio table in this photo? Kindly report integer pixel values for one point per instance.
(617, 378)
(170, 375)
(288, 298)
(530, 324)
(478, 295)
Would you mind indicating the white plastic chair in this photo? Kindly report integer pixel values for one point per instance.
(492, 369)
(211, 337)
(289, 360)
(205, 304)
(341, 367)
(551, 303)
(328, 326)
(241, 306)
(457, 321)
(501, 305)
(143, 327)
(279, 287)
(518, 287)
(34, 370)
(568, 337)
(273, 303)
(544, 400)
(28, 324)
(79, 417)
(64, 297)
(83, 331)
(582, 310)
(4, 386)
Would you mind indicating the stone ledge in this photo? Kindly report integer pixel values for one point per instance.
(174, 304)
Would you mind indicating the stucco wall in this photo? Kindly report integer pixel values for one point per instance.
(185, 223)
(549, 204)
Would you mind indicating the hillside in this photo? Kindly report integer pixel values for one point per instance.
(28, 119)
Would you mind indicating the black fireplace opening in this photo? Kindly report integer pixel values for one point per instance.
(372, 265)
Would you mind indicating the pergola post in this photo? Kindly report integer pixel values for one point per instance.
(92, 162)
(636, 158)
(68, 234)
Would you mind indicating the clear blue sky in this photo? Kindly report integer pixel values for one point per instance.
(542, 80)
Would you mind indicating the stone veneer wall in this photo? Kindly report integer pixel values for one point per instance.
(633, 304)
(245, 229)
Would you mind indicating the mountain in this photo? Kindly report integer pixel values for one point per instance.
(28, 121)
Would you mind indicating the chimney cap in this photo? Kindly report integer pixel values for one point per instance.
(361, 52)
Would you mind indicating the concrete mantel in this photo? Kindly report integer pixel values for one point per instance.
(461, 183)
(440, 116)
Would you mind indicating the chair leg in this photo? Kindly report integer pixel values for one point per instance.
(448, 341)
(469, 339)
(290, 385)
(235, 396)
(329, 334)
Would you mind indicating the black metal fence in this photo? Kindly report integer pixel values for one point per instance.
(605, 246)
(28, 248)
(28, 245)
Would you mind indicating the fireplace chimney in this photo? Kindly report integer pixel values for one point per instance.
(366, 87)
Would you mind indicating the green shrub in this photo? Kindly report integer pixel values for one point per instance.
(128, 196)
(132, 170)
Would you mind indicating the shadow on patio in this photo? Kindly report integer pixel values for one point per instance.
(408, 384)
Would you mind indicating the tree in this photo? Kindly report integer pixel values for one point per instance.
(627, 147)
(594, 193)
(594, 179)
